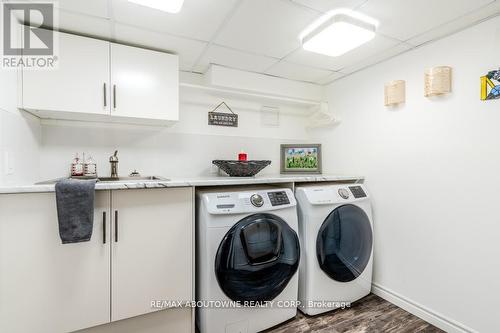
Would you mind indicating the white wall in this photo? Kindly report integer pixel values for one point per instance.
(20, 136)
(433, 169)
(40, 150)
(183, 150)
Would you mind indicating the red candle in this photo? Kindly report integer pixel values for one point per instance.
(242, 156)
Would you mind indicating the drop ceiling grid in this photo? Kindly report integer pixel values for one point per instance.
(124, 22)
(417, 16)
(468, 20)
(279, 61)
(272, 59)
(401, 44)
(283, 66)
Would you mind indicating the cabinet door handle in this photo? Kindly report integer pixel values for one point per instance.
(104, 227)
(114, 96)
(116, 226)
(105, 97)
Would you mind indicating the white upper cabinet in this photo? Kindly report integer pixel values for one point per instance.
(145, 84)
(96, 80)
(79, 82)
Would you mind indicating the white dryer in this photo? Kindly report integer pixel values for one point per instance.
(247, 253)
(336, 233)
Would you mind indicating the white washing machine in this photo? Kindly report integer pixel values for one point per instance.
(336, 233)
(248, 253)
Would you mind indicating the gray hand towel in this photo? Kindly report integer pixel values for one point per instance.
(75, 209)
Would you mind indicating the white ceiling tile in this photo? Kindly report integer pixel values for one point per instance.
(83, 24)
(406, 19)
(80, 24)
(298, 72)
(376, 58)
(187, 49)
(377, 45)
(332, 77)
(261, 31)
(233, 58)
(268, 27)
(198, 19)
(458, 24)
(89, 7)
(327, 5)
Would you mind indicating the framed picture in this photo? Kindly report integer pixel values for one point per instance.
(301, 158)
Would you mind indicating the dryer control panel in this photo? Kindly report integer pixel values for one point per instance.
(357, 191)
(329, 194)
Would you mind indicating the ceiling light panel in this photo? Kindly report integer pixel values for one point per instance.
(169, 6)
(338, 32)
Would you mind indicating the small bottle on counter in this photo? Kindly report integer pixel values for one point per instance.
(77, 166)
(90, 168)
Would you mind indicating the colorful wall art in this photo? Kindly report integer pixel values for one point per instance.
(490, 86)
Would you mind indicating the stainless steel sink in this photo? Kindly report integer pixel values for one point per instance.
(133, 179)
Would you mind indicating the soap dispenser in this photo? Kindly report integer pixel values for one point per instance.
(77, 167)
(90, 169)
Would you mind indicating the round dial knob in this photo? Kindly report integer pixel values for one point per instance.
(257, 200)
(344, 193)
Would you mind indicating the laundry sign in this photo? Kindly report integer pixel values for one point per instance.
(222, 118)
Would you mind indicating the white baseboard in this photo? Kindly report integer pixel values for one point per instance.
(447, 324)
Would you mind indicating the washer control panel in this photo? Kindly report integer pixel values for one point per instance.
(278, 198)
(344, 193)
(251, 201)
(357, 191)
(257, 200)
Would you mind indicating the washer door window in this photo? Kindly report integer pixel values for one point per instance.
(344, 243)
(257, 258)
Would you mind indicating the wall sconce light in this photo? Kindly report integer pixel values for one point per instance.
(395, 93)
(437, 81)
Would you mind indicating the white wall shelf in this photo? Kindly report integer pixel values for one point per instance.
(317, 112)
(267, 98)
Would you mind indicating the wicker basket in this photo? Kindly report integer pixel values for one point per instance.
(241, 168)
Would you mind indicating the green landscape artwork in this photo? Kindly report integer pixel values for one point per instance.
(301, 158)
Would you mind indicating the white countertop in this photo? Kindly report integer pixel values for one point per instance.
(188, 182)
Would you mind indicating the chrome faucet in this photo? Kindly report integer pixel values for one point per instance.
(114, 164)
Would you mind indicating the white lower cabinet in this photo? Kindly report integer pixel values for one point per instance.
(151, 249)
(47, 286)
(142, 255)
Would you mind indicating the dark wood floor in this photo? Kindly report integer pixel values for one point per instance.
(371, 314)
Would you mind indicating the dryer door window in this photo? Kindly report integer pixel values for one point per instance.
(257, 258)
(344, 243)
